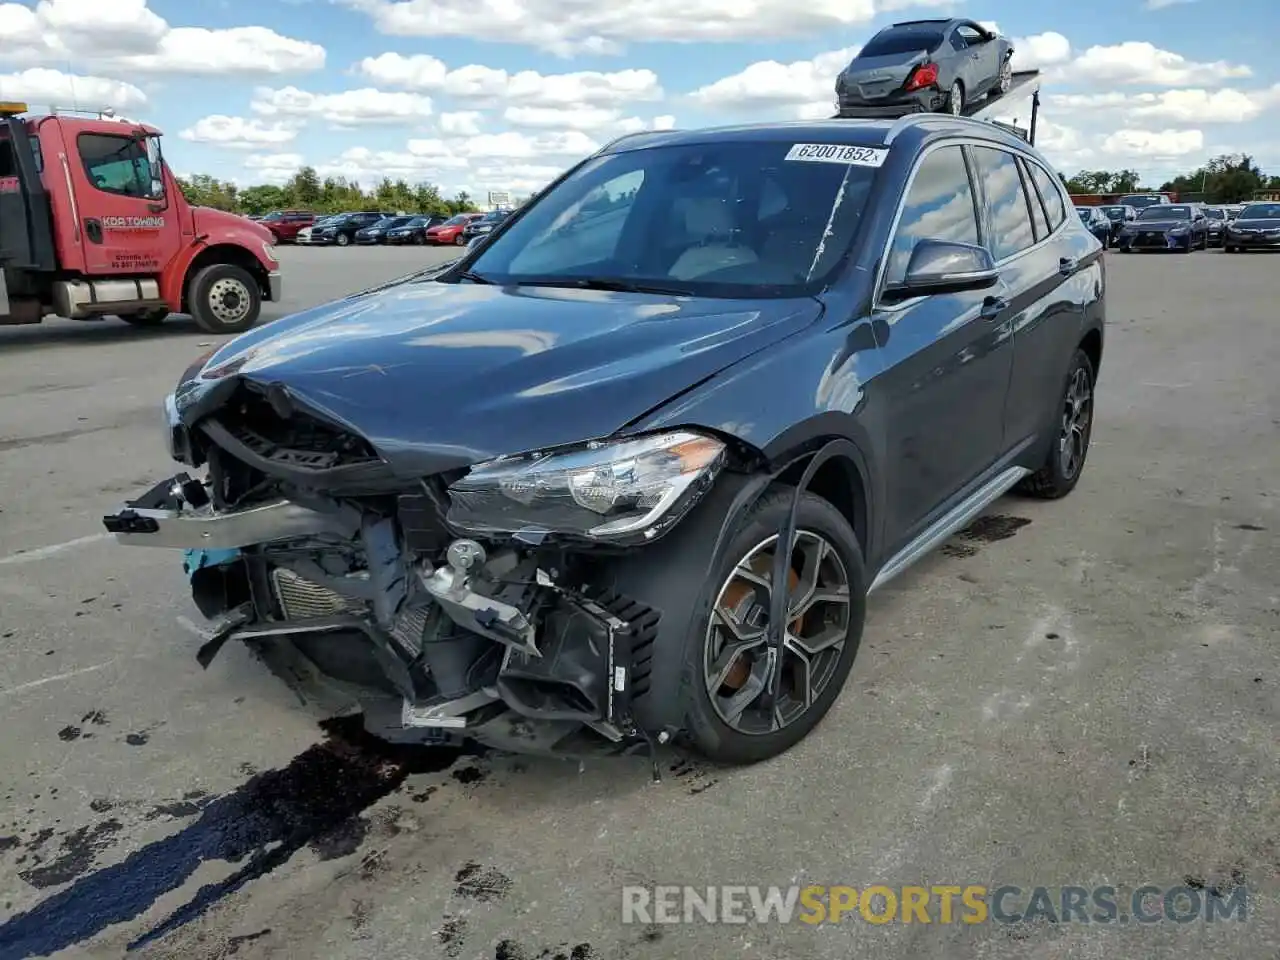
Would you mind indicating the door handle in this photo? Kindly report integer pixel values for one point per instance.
(1068, 266)
(992, 307)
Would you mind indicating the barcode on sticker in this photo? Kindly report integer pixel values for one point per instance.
(838, 153)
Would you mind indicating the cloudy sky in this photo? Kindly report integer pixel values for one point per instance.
(503, 94)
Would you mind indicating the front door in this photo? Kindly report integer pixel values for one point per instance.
(128, 224)
(948, 359)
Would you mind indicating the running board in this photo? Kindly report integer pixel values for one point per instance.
(949, 523)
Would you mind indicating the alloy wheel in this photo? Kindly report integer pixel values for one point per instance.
(1006, 76)
(956, 101)
(739, 666)
(1077, 416)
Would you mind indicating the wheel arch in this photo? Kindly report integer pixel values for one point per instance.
(225, 253)
(839, 481)
(1091, 344)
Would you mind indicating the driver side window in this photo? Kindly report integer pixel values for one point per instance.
(939, 206)
(121, 165)
(587, 232)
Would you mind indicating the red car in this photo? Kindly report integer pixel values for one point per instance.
(285, 224)
(450, 232)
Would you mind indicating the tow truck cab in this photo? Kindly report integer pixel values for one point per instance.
(93, 223)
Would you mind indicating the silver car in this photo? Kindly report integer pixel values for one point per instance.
(925, 66)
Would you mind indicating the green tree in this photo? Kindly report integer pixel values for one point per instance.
(262, 198)
(304, 188)
(1229, 178)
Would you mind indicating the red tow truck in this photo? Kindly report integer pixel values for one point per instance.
(93, 223)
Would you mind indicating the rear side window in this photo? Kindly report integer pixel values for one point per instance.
(939, 206)
(1049, 193)
(1011, 230)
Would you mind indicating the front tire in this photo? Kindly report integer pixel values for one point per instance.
(224, 298)
(1065, 462)
(726, 665)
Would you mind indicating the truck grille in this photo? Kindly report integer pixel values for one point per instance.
(301, 599)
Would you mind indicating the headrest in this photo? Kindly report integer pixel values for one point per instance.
(707, 217)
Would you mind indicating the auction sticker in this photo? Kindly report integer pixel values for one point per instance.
(838, 153)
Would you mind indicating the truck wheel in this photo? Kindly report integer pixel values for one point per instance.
(145, 318)
(224, 298)
(1065, 462)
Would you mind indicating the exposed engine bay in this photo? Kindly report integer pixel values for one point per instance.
(475, 603)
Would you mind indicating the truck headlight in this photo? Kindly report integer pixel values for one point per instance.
(634, 489)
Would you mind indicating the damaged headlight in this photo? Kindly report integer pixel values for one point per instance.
(636, 488)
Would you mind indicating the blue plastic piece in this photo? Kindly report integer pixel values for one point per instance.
(193, 560)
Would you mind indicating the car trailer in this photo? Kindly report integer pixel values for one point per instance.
(1021, 83)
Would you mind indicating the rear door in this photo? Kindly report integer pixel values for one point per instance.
(948, 357)
(1047, 260)
(126, 221)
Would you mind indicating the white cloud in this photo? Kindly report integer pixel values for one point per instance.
(42, 88)
(804, 85)
(1192, 106)
(1153, 145)
(588, 26)
(525, 88)
(1139, 62)
(127, 36)
(1040, 50)
(274, 167)
(461, 123)
(238, 133)
(350, 108)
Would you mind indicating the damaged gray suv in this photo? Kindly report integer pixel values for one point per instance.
(535, 496)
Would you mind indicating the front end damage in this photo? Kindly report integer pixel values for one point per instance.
(481, 602)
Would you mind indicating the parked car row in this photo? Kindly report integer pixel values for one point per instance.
(374, 227)
(1184, 226)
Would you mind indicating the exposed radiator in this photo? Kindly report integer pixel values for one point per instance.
(301, 599)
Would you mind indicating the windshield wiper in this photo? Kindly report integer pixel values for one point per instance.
(473, 277)
(608, 283)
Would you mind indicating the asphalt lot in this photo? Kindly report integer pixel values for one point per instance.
(1087, 694)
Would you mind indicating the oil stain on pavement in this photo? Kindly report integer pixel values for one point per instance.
(314, 801)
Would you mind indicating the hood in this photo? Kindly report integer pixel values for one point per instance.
(439, 375)
(209, 220)
(1158, 224)
(1271, 223)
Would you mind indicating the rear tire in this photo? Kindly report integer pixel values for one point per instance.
(1066, 460)
(841, 623)
(224, 298)
(145, 318)
(342, 240)
(955, 100)
(461, 241)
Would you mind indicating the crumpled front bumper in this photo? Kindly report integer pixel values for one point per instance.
(177, 514)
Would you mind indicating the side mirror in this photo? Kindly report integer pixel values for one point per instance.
(944, 266)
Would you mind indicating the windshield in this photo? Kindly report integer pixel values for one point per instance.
(1165, 211)
(1141, 200)
(273, 216)
(417, 222)
(721, 219)
(1213, 213)
(1115, 213)
(1260, 211)
(901, 40)
(456, 221)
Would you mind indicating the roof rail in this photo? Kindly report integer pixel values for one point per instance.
(627, 136)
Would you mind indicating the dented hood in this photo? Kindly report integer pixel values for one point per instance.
(440, 375)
